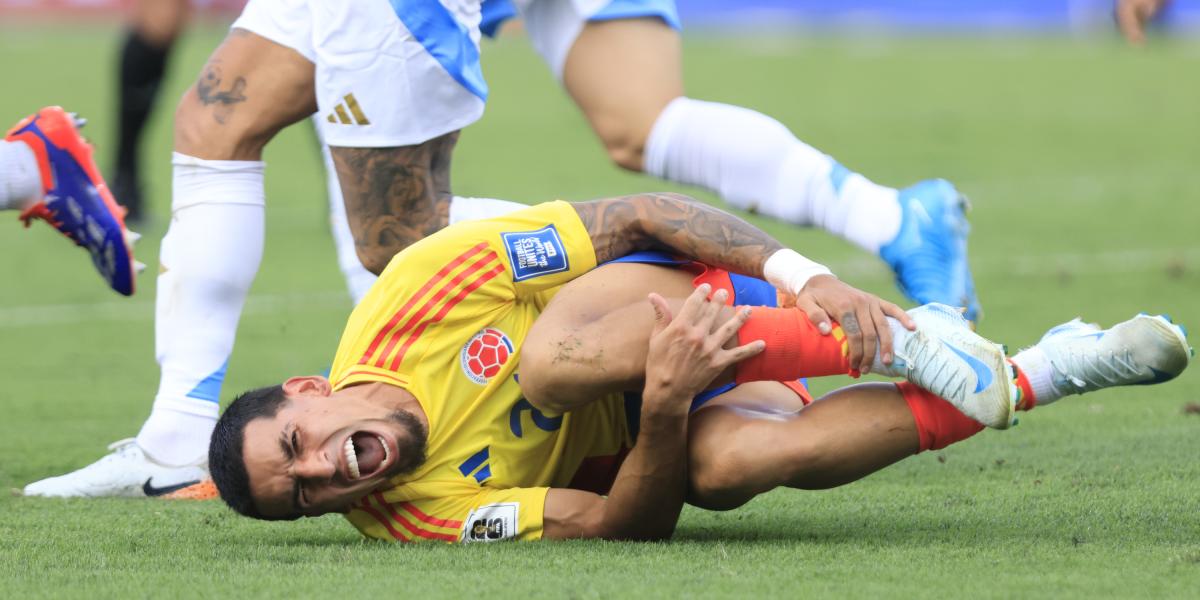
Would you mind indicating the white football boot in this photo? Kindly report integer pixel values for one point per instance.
(946, 358)
(125, 471)
(1141, 351)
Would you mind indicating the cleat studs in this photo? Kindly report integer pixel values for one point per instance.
(1167, 317)
(132, 237)
(138, 266)
(1183, 330)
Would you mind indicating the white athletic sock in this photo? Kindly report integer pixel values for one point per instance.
(208, 260)
(1035, 365)
(20, 179)
(755, 163)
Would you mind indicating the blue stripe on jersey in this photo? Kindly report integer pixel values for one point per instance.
(209, 389)
(629, 9)
(445, 39)
(495, 13)
(473, 463)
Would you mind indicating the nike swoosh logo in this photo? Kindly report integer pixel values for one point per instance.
(150, 490)
(919, 211)
(983, 375)
(1159, 377)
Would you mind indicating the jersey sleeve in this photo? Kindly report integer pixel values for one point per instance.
(490, 515)
(539, 247)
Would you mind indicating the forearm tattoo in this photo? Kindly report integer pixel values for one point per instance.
(676, 224)
(395, 196)
(208, 89)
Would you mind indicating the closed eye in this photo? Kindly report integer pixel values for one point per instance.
(297, 488)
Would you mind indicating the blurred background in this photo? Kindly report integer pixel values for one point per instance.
(924, 15)
(1079, 152)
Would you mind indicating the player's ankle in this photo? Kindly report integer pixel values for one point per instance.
(177, 437)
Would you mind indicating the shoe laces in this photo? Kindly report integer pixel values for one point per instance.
(933, 373)
(1088, 370)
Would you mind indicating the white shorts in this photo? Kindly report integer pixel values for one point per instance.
(553, 25)
(384, 76)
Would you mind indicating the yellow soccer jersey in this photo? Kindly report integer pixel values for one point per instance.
(446, 321)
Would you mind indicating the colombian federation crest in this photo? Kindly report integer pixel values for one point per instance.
(485, 354)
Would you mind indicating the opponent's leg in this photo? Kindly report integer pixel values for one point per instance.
(750, 159)
(47, 172)
(395, 196)
(358, 279)
(250, 89)
(154, 27)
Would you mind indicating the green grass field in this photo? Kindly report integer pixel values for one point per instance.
(1080, 157)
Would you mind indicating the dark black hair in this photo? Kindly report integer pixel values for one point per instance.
(225, 460)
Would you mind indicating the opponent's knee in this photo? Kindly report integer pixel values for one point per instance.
(198, 133)
(625, 147)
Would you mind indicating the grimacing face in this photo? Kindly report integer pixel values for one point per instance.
(323, 450)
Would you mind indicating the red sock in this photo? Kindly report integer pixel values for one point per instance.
(1025, 398)
(795, 348)
(938, 423)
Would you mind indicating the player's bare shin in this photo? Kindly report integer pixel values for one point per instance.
(395, 196)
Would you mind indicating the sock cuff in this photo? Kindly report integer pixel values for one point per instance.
(1033, 363)
(201, 181)
(654, 159)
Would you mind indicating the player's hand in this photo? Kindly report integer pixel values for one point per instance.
(687, 351)
(863, 318)
(1132, 16)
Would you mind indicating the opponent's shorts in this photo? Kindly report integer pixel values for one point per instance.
(553, 25)
(388, 72)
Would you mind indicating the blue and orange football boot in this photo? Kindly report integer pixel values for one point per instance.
(76, 200)
(929, 255)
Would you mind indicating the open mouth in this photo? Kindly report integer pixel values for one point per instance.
(366, 454)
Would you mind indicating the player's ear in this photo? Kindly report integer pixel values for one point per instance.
(309, 385)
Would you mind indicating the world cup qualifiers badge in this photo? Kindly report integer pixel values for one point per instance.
(535, 253)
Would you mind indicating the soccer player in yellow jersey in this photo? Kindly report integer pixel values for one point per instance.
(475, 396)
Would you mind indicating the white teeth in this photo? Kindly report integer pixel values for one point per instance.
(386, 452)
(351, 458)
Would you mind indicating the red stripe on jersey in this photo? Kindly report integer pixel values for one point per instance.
(399, 381)
(383, 521)
(415, 530)
(447, 307)
(428, 306)
(450, 266)
(416, 512)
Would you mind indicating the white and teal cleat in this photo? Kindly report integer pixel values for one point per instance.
(1144, 350)
(945, 357)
